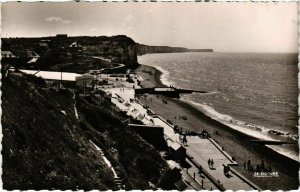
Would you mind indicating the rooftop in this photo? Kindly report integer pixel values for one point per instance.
(173, 144)
(53, 75)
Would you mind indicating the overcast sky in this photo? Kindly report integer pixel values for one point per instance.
(236, 27)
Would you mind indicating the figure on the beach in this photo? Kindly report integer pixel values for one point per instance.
(208, 162)
(184, 140)
(262, 165)
(257, 168)
(270, 169)
(225, 170)
(251, 168)
(248, 164)
(200, 170)
(205, 134)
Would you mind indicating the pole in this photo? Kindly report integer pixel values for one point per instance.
(61, 76)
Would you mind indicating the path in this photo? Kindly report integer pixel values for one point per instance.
(199, 150)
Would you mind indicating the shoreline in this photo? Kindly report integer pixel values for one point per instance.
(236, 143)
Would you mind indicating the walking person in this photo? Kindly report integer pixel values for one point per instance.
(248, 164)
(212, 163)
(209, 162)
(225, 170)
(200, 170)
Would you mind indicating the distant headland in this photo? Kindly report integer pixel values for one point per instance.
(145, 49)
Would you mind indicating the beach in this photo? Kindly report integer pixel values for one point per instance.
(233, 142)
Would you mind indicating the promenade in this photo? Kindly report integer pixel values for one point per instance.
(198, 150)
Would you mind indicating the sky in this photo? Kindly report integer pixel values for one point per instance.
(224, 27)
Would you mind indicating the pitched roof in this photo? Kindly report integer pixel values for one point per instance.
(173, 144)
(33, 60)
(53, 75)
(31, 54)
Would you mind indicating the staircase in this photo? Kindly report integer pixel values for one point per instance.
(119, 182)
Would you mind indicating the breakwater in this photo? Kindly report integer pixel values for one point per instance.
(166, 91)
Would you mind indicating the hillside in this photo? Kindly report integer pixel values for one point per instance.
(72, 54)
(47, 146)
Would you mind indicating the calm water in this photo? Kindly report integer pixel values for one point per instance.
(259, 89)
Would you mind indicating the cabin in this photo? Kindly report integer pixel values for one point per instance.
(177, 151)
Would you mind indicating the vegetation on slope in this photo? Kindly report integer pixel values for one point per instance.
(45, 146)
(137, 162)
(42, 148)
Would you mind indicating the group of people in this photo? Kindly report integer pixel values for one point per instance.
(183, 139)
(210, 163)
(204, 134)
(259, 167)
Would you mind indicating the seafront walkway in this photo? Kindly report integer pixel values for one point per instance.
(199, 150)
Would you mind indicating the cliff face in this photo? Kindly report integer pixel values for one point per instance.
(127, 51)
(145, 49)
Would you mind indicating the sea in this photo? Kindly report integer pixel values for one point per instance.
(254, 93)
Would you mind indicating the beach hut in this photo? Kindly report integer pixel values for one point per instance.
(177, 151)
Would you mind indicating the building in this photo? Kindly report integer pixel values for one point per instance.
(85, 81)
(177, 151)
(7, 54)
(54, 78)
(74, 44)
(30, 56)
(43, 45)
(61, 39)
(74, 47)
(8, 58)
(61, 36)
